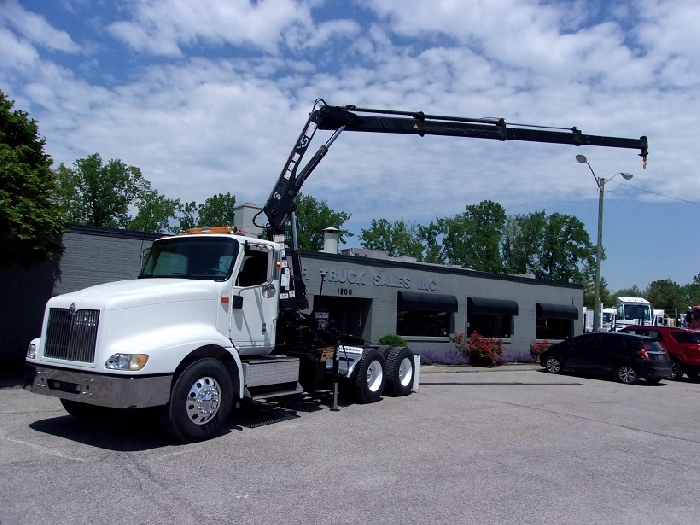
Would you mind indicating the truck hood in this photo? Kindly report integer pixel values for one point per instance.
(140, 292)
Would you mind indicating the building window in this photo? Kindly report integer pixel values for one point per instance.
(426, 315)
(555, 321)
(491, 317)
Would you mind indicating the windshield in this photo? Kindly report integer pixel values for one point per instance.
(637, 312)
(191, 258)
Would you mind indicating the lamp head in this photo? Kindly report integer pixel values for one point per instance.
(626, 176)
(581, 159)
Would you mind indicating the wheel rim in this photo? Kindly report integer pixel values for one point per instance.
(553, 365)
(405, 371)
(675, 371)
(627, 374)
(203, 400)
(375, 375)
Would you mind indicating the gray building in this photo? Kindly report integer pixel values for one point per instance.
(367, 293)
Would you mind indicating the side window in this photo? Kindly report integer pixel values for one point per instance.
(586, 343)
(254, 269)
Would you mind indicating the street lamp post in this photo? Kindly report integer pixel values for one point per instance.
(599, 247)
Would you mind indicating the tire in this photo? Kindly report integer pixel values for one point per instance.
(627, 374)
(399, 372)
(85, 411)
(553, 364)
(653, 380)
(200, 402)
(676, 370)
(370, 377)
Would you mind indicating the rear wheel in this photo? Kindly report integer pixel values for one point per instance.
(199, 403)
(399, 371)
(553, 364)
(627, 374)
(676, 370)
(370, 379)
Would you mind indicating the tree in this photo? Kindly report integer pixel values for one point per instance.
(555, 247)
(313, 217)
(473, 238)
(30, 221)
(629, 292)
(397, 239)
(188, 215)
(155, 213)
(217, 210)
(97, 194)
(667, 295)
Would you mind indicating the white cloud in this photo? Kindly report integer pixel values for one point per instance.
(198, 125)
(165, 26)
(35, 28)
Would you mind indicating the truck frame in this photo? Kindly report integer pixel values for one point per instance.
(216, 316)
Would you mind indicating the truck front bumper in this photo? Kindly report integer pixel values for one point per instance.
(113, 391)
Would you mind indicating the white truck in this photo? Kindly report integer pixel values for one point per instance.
(216, 316)
(633, 311)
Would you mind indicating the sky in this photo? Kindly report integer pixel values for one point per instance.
(209, 97)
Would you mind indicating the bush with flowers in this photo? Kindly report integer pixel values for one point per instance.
(481, 351)
(537, 347)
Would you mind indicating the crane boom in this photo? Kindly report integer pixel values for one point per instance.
(280, 203)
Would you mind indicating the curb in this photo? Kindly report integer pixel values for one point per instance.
(448, 369)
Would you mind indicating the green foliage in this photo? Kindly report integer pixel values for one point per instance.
(392, 340)
(155, 213)
(629, 292)
(217, 210)
(667, 295)
(555, 247)
(188, 215)
(97, 194)
(313, 217)
(396, 239)
(472, 239)
(30, 221)
(481, 351)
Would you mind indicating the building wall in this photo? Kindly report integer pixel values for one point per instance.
(91, 256)
(380, 280)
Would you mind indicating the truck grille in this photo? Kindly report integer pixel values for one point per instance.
(72, 335)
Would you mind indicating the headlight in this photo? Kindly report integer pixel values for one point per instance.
(31, 351)
(126, 361)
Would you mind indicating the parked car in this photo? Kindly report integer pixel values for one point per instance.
(682, 346)
(627, 356)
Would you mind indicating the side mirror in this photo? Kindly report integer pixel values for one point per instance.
(236, 302)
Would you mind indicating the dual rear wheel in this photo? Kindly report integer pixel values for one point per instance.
(384, 368)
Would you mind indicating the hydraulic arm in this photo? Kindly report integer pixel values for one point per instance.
(280, 203)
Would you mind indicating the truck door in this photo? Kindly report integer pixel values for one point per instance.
(253, 325)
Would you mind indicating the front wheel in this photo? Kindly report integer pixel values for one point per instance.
(370, 379)
(627, 374)
(199, 403)
(399, 371)
(553, 364)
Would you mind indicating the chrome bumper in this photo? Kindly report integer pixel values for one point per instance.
(98, 389)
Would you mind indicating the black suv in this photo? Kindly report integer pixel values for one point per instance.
(627, 356)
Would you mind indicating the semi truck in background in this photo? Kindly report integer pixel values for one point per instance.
(633, 311)
(216, 317)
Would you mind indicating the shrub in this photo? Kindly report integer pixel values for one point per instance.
(481, 351)
(536, 348)
(392, 340)
(442, 357)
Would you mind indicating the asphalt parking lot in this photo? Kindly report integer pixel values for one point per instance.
(506, 445)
